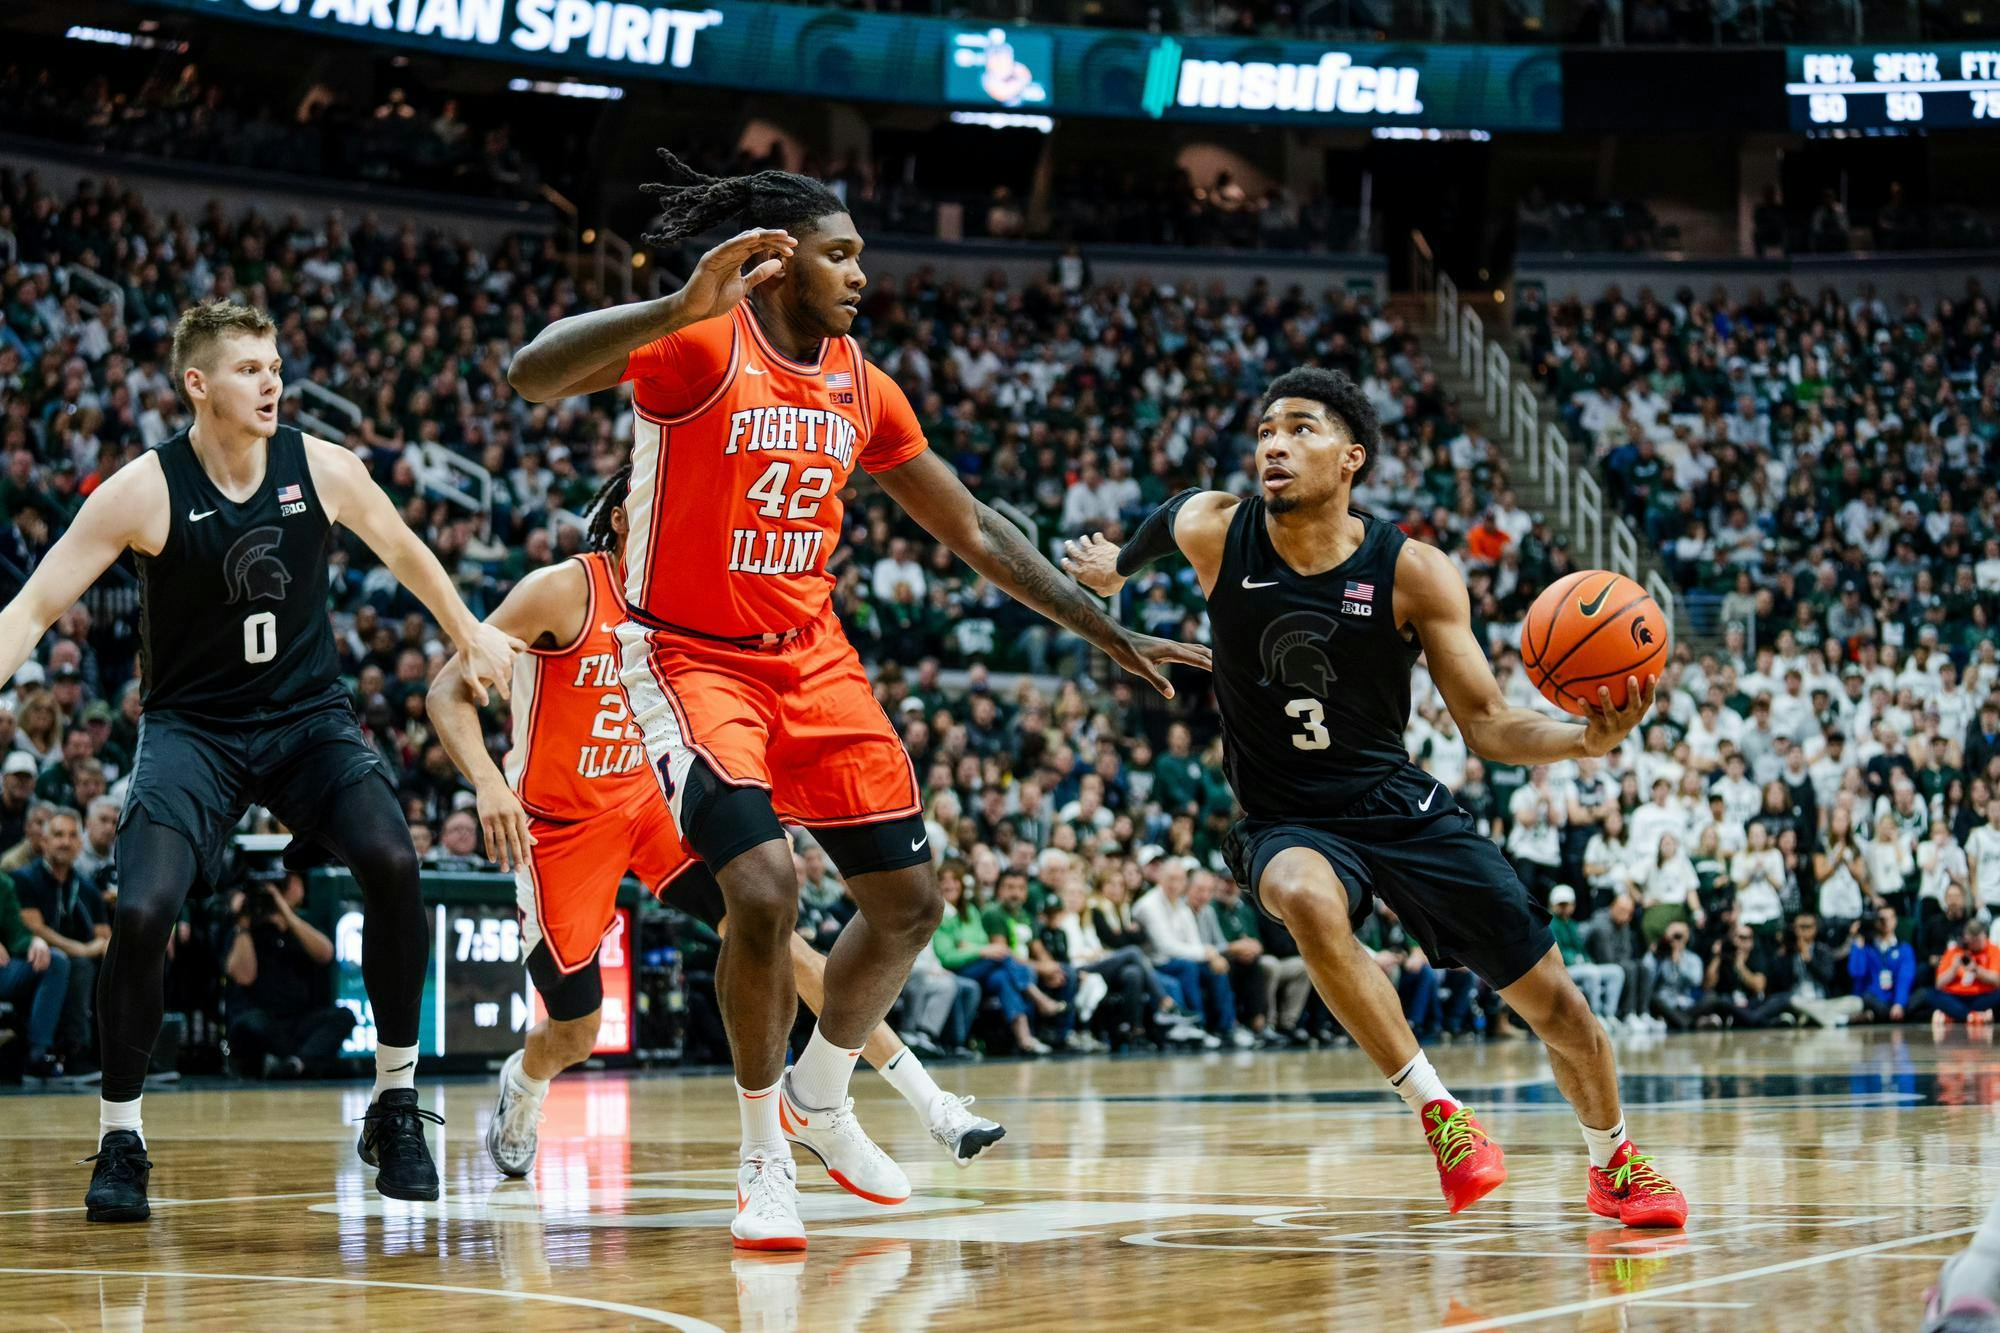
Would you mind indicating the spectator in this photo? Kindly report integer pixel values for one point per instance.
(1967, 988)
(1814, 975)
(35, 978)
(1883, 968)
(62, 906)
(962, 945)
(283, 1023)
(1940, 929)
(1612, 938)
(1669, 888)
(1841, 869)
(17, 793)
(100, 836)
(1174, 947)
(1982, 855)
(1402, 961)
(1007, 921)
(1674, 978)
(1266, 986)
(458, 847)
(1602, 984)
(1738, 984)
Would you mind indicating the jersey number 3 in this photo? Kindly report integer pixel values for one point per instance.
(1311, 714)
(260, 637)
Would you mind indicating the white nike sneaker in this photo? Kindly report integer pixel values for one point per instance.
(767, 1204)
(849, 1155)
(960, 1132)
(514, 1136)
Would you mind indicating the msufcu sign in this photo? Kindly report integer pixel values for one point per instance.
(1334, 83)
(831, 52)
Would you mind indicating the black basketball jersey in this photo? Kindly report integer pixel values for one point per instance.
(1311, 673)
(233, 618)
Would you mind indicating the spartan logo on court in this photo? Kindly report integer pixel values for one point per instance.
(1642, 635)
(1294, 652)
(252, 568)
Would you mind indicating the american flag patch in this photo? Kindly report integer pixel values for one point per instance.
(1359, 592)
(288, 494)
(840, 379)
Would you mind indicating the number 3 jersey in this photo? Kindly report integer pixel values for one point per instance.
(574, 751)
(739, 458)
(233, 609)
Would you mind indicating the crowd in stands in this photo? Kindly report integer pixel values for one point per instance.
(1077, 819)
(407, 138)
(1589, 226)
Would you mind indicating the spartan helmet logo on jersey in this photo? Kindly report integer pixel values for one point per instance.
(1294, 652)
(252, 568)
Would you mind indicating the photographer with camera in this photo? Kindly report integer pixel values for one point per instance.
(281, 1024)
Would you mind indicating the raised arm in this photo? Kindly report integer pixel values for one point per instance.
(931, 493)
(587, 353)
(128, 510)
(354, 501)
(549, 605)
(1194, 523)
(1431, 599)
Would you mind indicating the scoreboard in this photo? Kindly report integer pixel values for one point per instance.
(1881, 87)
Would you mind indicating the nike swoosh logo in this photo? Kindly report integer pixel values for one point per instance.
(1248, 584)
(1590, 607)
(752, 370)
(918, 845)
(1425, 804)
(196, 518)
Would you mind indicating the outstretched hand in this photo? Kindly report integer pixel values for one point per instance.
(719, 282)
(1093, 562)
(1607, 724)
(1147, 657)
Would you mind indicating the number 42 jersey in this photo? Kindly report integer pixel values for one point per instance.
(739, 458)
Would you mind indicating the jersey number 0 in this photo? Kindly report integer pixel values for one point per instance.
(260, 637)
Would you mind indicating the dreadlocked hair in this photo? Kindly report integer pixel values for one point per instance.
(692, 204)
(599, 535)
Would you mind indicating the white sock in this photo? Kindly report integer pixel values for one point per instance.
(758, 1110)
(821, 1074)
(395, 1067)
(907, 1075)
(1418, 1084)
(1603, 1143)
(119, 1115)
(537, 1088)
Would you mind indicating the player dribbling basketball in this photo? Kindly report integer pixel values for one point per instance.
(1319, 613)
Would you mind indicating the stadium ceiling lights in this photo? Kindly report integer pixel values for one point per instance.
(77, 32)
(1004, 120)
(591, 92)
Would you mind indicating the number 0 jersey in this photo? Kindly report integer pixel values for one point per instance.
(739, 458)
(575, 752)
(232, 610)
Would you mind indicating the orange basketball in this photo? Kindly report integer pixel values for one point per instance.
(1592, 628)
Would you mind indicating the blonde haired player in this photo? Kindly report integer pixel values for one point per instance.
(575, 808)
(244, 704)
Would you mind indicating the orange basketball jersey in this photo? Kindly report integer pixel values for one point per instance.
(575, 750)
(739, 457)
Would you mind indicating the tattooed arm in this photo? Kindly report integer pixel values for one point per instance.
(931, 493)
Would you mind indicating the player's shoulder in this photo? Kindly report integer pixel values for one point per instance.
(565, 583)
(548, 603)
(1427, 574)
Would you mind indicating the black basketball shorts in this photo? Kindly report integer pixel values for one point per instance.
(1408, 843)
(197, 776)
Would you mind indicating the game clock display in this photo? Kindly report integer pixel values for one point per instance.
(1879, 87)
(477, 998)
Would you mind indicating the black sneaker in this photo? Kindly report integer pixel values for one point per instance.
(46, 1068)
(392, 1140)
(118, 1185)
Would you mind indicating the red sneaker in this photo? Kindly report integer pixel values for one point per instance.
(1470, 1165)
(1632, 1192)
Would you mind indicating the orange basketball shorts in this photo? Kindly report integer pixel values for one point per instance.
(800, 720)
(567, 889)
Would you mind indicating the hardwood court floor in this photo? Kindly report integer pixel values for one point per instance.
(1830, 1173)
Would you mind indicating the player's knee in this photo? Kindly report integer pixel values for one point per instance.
(145, 920)
(761, 892)
(913, 909)
(572, 1040)
(1304, 900)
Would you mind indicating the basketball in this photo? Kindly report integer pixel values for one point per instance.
(1592, 628)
